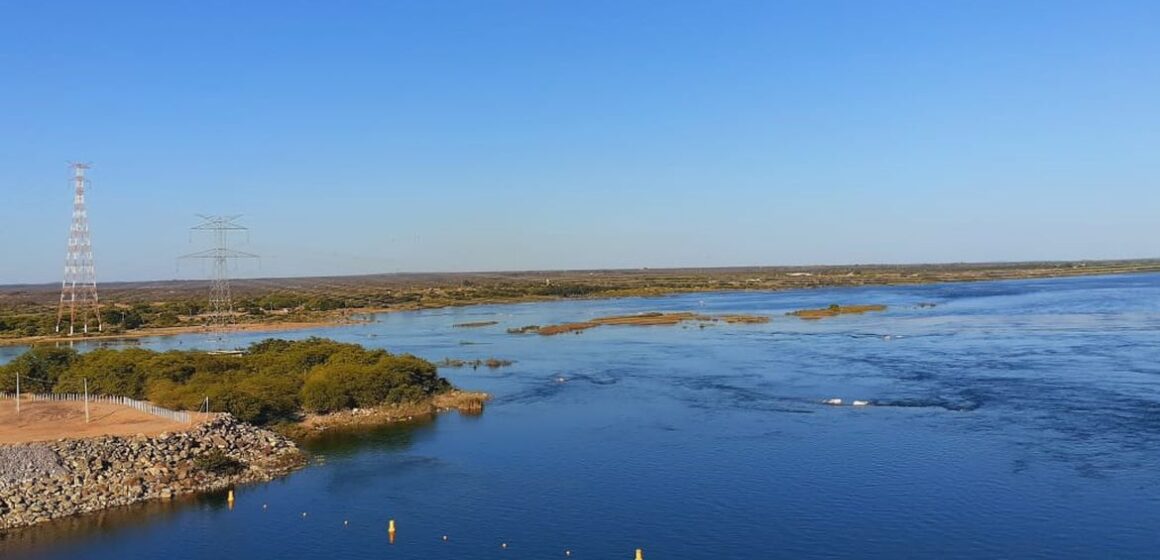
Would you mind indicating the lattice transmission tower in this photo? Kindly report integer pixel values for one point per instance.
(221, 307)
(78, 290)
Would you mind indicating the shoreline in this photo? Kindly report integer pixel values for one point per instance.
(47, 480)
(159, 332)
(346, 316)
(314, 425)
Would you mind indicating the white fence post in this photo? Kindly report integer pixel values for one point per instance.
(142, 406)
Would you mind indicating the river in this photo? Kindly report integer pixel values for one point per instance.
(1014, 419)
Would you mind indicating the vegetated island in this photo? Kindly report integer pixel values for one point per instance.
(475, 325)
(271, 383)
(139, 309)
(257, 398)
(490, 363)
(640, 320)
(834, 310)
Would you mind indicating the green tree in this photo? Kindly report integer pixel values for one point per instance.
(39, 369)
(323, 392)
(109, 372)
(272, 381)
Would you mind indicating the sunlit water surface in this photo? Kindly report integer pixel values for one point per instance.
(1011, 420)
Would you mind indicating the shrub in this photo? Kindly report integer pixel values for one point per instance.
(39, 369)
(270, 382)
(323, 393)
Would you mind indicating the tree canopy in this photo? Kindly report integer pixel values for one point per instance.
(272, 380)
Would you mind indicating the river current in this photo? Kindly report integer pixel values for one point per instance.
(1011, 419)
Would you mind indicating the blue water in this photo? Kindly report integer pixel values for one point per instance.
(1016, 419)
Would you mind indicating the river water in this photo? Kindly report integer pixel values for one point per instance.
(1014, 419)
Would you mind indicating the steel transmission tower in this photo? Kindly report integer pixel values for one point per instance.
(221, 309)
(78, 291)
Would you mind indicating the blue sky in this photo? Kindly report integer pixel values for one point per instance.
(362, 137)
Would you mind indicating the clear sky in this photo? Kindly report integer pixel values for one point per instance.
(362, 137)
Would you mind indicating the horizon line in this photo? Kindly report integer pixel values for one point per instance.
(1141, 260)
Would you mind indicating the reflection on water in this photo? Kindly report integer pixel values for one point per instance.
(339, 442)
(105, 523)
(330, 445)
(1012, 419)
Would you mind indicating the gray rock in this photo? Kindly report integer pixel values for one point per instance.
(43, 481)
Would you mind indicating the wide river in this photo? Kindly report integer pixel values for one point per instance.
(1015, 419)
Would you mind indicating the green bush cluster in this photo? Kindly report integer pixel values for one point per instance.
(271, 381)
(23, 324)
(40, 321)
(354, 381)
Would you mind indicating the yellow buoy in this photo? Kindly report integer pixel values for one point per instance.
(230, 496)
(639, 554)
(391, 526)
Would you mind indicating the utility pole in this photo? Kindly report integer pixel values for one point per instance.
(86, 400)
(221, 308)
(18, 392)
(78, 291)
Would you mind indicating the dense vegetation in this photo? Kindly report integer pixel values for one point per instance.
(271, 381)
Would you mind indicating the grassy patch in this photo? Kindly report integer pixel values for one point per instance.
(646, 320)
(566, 328)
(835, 310)
(651, 319)
(744, 319)
(476, 324)
(490, 363)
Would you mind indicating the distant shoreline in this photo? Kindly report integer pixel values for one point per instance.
(167, 331)
(435, 291)
(432, 278)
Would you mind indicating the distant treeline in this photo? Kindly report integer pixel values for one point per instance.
(271, 381)
(25, 312)
(115, 318)
(40, 320)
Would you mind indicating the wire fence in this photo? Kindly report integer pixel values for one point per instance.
(148, 408)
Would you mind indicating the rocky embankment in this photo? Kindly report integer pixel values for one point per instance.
(47, 480)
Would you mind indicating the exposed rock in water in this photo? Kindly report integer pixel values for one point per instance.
(48, 480)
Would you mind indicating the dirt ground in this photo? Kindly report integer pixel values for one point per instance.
(46, 420)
